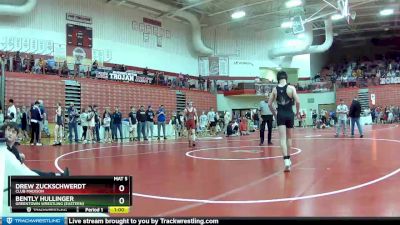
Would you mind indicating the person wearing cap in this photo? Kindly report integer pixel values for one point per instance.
(190, 118)
(266, 116)
(150, 122)
(285, 96)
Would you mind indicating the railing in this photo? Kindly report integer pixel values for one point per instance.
(73, 71)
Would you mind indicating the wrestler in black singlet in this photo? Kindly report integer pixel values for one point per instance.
(285, 111)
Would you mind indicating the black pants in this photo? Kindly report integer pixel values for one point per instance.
(35, 129)
(84, 133)
(266, 119)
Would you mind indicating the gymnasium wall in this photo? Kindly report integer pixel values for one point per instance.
(384, 94)
(311, 101)
(308, 102)
(26, 88)
(228, 103)
(248, 49)
(112, 30)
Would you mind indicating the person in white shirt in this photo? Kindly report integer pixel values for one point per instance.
(84, 123)
(106, 125)
(203, 121)
(212, 121)
(91, 124)
(12, 111)
(342, 112)
(227, 119)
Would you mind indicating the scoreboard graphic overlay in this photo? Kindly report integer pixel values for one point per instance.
(79, 44)
(99, 194)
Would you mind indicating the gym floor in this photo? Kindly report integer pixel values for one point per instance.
(236, 177)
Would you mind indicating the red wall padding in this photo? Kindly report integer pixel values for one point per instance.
(202, 100)
(26, 88)
(385, 95)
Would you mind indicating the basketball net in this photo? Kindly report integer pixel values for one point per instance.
(343, 6)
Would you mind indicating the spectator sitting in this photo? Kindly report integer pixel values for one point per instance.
(94, 68)
(31, 63)
(17, 62)
(25, 65)
(145, 71)
(39, 68)
(122, 68)
(64, 69)
(51, 66)
(95, 65)
(232, 129)
(162, 79)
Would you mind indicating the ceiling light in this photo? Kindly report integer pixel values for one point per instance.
(238, 14)
(386, 12)
(335, 34)
(287, 24)
(337, 17)
(293, 3)
(386, 29)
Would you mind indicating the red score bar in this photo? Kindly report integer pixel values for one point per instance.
(70, 185)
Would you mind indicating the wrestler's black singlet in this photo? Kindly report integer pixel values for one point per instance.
(285, 111)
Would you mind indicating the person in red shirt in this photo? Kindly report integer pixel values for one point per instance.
(243, 126)
(191, 117)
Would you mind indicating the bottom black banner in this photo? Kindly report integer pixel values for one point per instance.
(219, 221)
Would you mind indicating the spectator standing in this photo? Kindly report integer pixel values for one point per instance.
(117, 121)
(84, 123)
(44, 125)
(91, 124)
(354, 113)
(58, 128)
(36, 117)
(132, 124)
(24, 122)
(150, 122)
(141, 117)
(106, 124)
(97, 124)
(212, 119)
(161, 117)
(72, 122)
(18, 62)
(227, 119)
(12, 111)
(342, 112)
